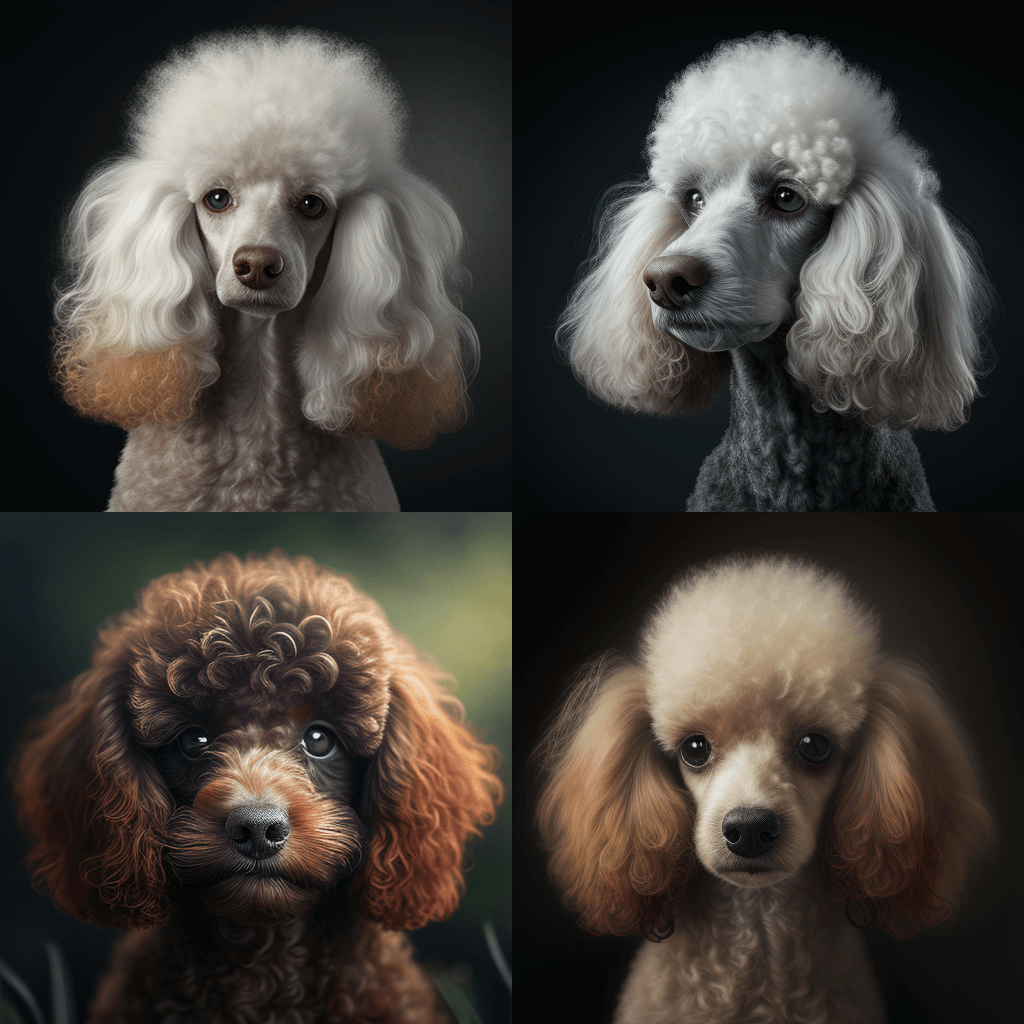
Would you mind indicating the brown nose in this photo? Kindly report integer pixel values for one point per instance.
(669, 278)
(258, 266)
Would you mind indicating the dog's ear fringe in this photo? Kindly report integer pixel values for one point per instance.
(908, 818)
(96, 812)
(606, 331)
(430, 786)
(616, 824)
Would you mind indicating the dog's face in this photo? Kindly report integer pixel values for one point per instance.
(762, 790)
(266, 821)
(262, 240)
(758, 688)
(730, 276)
(262, 733)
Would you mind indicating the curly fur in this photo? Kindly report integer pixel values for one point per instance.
(753, 654)
(846, 325)
(241, 398)
(129, 833)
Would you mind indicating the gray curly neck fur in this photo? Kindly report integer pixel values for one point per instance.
(780, 455)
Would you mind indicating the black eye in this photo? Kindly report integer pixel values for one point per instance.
(217, 200)
(312, 206)
(695, 751)
(192, 742)
(787, 200)
(319, 741)
(693, 200)
(815, 748)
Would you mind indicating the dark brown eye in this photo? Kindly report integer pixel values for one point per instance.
(815, 748)
(786, 200)
(217, 200)
(312, 206)
(319, 741)
(693, 200)
(192, 742)
(695, 750)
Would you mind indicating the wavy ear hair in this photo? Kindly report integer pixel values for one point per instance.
(614, 819)
(429, 786)
(386, 352)
(607, 330)
(907, 818)
(890, 307)
(134, 333)
(95, 808)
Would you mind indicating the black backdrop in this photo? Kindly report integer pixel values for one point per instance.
(587, 104)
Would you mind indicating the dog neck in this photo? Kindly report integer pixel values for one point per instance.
(257, 383)
(780, 454)
(742, 942)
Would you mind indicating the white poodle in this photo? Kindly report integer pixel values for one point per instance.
(261, 288)
(790, 228)
(762, 762)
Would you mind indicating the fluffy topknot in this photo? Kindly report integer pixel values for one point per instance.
(286, 87)
(796, 98)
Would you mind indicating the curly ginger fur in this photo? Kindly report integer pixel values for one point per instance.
(124, 836)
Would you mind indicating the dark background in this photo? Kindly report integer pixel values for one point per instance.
(591, 95)
(948, 589)
(443, 580)
(71, 69)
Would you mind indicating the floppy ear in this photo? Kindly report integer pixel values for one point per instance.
(908, 816)
(386, 352)
(607, 329)
(429, 786)
(95, 809)
(615, 820)
(890, 307)
(134, 331)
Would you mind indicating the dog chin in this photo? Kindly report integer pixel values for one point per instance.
(253, 899)
(750, 876)
(261, 309)
(719, 339)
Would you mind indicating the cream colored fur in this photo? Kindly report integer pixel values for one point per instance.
(754, 655)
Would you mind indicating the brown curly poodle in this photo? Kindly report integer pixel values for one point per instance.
(266, 780)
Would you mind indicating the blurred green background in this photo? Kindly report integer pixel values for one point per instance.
(443, 579)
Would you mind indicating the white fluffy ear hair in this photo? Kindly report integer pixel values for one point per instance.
(135, 332)
(607, 330)
(385, 351)
(891, 304)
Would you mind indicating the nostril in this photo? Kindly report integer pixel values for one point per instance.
(277, 833)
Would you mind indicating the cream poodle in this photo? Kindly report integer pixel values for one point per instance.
(760, 764)
(789, 230)
(260, 288)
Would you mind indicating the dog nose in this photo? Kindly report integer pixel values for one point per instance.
(750, 831)
(669, 278)
(258, 830)
(258, 266)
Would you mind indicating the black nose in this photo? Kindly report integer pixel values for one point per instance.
(750, 831)
(258, 830)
